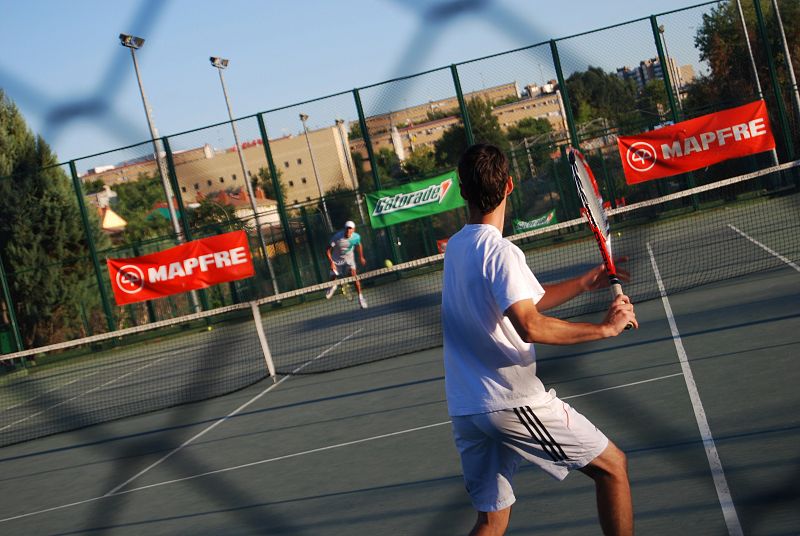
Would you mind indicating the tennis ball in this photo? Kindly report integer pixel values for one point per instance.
(619, 234)
(388, 263)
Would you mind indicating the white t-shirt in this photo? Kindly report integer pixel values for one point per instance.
(488, 367)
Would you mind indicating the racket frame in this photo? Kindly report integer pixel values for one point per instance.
(602, 240)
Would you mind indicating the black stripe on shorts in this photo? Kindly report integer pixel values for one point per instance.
(530, 424)
(553, 441)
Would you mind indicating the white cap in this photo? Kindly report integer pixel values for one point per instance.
(349, 224)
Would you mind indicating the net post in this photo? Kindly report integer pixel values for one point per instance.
(262, 339)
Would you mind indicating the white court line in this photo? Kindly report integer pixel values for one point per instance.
(226, 417)
(60, 386)
(56, 388)
(82, 394)
(714, 462)
(765, 248)
(287, 456)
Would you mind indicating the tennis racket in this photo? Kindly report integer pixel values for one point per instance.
(595, 215)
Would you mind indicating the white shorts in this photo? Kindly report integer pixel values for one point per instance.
(553, 436)
(344, 267)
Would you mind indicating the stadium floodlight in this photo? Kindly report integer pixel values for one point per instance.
(220, 64)
(303, 119)
(131, 41)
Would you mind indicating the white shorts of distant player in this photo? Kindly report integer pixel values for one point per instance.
(344, 266)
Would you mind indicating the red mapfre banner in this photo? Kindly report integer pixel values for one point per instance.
(193, 265)
(696, 143)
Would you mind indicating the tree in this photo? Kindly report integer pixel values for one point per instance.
(92, 187)
(341, 202)
(388, 165)
(210, 213)
(653, 102)
(485, 129)
(355, 131)
(264, 179)
(595, 94)
(530, 127)
(42, 240)
(721, 42)
(539, 146)
(421, 162)
(135, 203)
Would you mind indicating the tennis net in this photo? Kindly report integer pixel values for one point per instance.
(731, 228)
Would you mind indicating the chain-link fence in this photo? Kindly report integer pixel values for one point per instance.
(299, 172)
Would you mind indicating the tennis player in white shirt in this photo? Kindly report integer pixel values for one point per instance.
(491, 316)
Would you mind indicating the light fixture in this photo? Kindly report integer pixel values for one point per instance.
(219, 63)
(131, 41)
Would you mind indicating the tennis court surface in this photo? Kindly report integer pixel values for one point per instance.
(178, 428)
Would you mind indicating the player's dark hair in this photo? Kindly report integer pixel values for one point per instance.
(483, 175)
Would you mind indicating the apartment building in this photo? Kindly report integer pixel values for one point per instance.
(540, 103)
(423, 113)
(205, 170)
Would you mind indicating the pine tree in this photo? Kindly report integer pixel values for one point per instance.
(51, 278)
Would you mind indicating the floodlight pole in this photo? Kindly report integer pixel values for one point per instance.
(132, 42)
(220, 64)
(303, 119)
(672, 74)
(773, 153)
(789, 67)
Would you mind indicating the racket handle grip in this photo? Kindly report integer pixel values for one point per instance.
(616, 290)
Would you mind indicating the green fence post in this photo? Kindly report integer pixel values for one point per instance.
(288, 234)
(671, 97)
(92, 249)
(773, 75)
(561, 209)
(562, 87)
(665, 70)
(310, 238)
(462, 106)
(612, 193)
(187, 230)
(173, 181)
(373, 164)
(12, 316)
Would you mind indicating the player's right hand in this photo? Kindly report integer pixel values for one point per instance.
(620, 314)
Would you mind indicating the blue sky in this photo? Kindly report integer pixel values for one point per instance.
(64, 67)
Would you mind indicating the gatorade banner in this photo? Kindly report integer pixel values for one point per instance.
(414, 200)
(190, 266)
(696, 143)
(520, 226)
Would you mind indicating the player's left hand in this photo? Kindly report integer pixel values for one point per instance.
(597, 277)
(363, 261)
